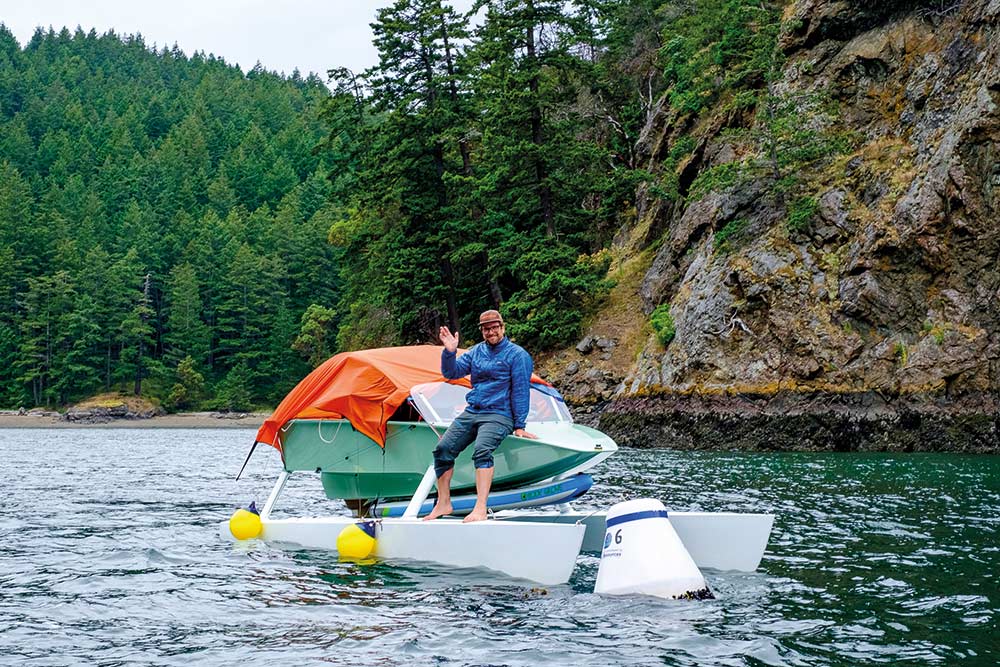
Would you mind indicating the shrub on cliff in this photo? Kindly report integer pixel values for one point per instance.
(663, 324)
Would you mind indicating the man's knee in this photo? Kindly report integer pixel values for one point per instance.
(458, 436)
(444, 456)
(489, 438)
(443, 460)
(483, 458)
(443, 452)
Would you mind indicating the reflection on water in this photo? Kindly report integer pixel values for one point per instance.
(109, 554)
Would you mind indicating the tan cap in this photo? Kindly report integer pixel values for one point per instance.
(489, 317)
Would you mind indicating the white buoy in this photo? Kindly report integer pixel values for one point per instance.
(643, 555)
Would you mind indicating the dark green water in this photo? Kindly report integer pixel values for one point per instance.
(109, 555)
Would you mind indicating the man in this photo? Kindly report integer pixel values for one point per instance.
(497, 407)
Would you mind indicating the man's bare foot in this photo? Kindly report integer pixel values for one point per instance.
(439, 510)
(475, 515)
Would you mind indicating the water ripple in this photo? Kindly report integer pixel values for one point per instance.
(109, 556)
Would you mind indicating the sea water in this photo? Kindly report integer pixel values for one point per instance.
(110, 555)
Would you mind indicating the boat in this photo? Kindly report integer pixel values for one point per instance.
(366, 422)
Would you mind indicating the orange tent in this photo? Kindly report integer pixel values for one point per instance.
(364, 387)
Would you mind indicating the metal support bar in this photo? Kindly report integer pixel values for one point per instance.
(420, 495)
(275, 492)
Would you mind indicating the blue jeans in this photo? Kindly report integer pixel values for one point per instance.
(486, 429)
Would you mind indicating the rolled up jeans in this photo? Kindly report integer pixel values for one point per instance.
(486, 429)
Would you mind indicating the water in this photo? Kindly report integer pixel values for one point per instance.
(109, 555)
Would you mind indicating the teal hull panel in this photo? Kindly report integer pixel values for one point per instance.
(351, 465)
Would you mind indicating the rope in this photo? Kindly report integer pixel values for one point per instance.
(319, 431)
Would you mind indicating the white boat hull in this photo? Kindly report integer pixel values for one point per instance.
(715, 540)
(536, 551)
(525, 544)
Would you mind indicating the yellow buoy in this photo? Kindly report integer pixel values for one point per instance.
(357, 540)
(245, 524)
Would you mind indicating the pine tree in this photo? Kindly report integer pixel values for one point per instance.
(137, 333)
(186, 335)
(235, 391)
(27, 243)
(45, 335)
(538, 166)
(419, 145)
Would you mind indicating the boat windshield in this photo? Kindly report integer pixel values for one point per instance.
(439, 403)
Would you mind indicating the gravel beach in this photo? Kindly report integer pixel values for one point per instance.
(37, 419)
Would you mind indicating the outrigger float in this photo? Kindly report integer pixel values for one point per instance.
(367, 422)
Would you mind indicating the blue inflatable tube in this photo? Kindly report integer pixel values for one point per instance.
(550, 493)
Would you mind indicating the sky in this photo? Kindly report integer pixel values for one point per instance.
(311, 35)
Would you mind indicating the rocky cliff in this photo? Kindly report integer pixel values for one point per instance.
(831, 265)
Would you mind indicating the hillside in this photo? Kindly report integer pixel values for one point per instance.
(715, 223)
(830, 260)
(163, 223)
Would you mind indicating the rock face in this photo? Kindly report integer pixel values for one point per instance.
(883, 285)
(103, 415)
(793, 422)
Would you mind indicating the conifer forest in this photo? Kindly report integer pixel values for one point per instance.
(174, 227)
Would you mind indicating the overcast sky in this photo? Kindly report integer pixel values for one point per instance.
(312, 35)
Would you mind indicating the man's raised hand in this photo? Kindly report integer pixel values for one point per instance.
(449, 339)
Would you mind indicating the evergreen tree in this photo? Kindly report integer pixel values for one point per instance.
(25, 240)
(235, 390)
(538, 166)
(316, 335)
(189, 386)
(112, 155)
(185, 335)
(45, 336)
(419, 145)
(137, 333)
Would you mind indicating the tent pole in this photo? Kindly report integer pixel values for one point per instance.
(252, 447)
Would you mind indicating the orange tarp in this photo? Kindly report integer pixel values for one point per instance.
(364, 387)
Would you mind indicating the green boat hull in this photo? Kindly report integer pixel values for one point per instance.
(352, 466)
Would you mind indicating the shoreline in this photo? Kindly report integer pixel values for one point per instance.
(799, 422)
(253, 420)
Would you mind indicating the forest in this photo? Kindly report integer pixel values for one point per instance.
(174, 227)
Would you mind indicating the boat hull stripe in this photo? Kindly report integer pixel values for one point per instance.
(636, 516)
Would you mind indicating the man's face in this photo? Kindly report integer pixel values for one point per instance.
(492, 333)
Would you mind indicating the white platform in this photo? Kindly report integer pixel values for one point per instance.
(540, 546)
(715, 540)
(540, 552)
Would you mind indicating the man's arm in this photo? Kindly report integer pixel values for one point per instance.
(454, 367)
(520, 386)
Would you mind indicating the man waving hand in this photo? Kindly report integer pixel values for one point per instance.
(497, 406)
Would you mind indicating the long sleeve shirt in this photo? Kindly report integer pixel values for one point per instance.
(501, 378)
